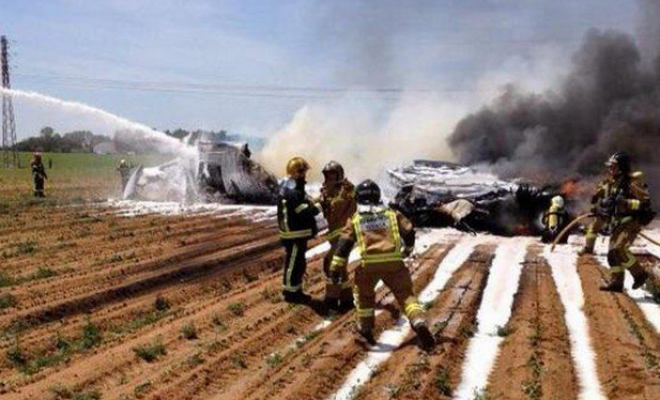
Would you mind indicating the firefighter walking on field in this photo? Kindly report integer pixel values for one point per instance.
(339, 205)
(622, 203)
(38, 175)
(384, 237)
(297, 224)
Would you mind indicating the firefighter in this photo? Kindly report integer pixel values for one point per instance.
(384, 237)
(296, 218)
(38, 175)
(554, 220)
(623, 204)
(125, 172)
(338, 204)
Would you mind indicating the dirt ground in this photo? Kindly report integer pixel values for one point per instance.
(97, 304)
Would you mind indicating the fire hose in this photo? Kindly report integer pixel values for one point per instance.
(570, 226)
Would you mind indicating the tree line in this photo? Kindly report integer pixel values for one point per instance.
(84, 141)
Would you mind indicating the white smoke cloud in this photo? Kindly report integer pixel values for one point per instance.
(366, 137)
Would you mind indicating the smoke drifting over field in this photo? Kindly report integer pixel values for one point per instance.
(610, 100)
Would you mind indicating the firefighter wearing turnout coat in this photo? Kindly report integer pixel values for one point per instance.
(39, 176)
(384, 237)
(338, 203)
(623, 205)
(554, 220)
(296, 219)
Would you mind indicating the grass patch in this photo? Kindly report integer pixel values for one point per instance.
(189, 331)
(138, 323)
(482, 395)
(91, 336)
(150, 352)
(195, 360)
(441, 382)
(142, 389)
(161, 303)
(7, 300)
(468, 330)
(238, 361)
(63, 350)
(43, 273)
(274, 359)
(503, 331)
(61, 392)
(6, 280)
(28, 247)
(237, 309)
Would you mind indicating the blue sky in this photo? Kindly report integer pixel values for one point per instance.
(259, 48)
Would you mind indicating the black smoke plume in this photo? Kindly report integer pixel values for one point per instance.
(610, 100)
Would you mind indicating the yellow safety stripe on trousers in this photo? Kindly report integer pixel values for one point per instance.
(634, 204)
(381, 258)
(334, 234)
(631, 260)
(413, 307)
(616, 270)
(591, 235)
(338, 261)
(292, 262)
(365, 312)
(301, 208)
(296, 234)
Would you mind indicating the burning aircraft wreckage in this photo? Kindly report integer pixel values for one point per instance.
(440, 194)
(430, 193)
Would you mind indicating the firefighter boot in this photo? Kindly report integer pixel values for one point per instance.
(640, 276)
(367, 335)
(346, 305)
(331, 304)
(296, 297)
(615, 284)
(423, 333)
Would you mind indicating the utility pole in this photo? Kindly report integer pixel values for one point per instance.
(9, 154)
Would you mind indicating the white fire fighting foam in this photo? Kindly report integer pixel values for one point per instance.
(494, 312)
(392, 338)
(175, 183)
(139, 132)
(563, 263)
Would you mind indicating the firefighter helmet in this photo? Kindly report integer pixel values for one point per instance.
(334, 167)
(297, 166)
(558, 201)
(37, 155)
(622, 160)
(367, 193)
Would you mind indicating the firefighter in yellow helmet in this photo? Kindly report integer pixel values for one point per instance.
(384, 237)
(338, 203)
(297, 224)
(622, 202)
